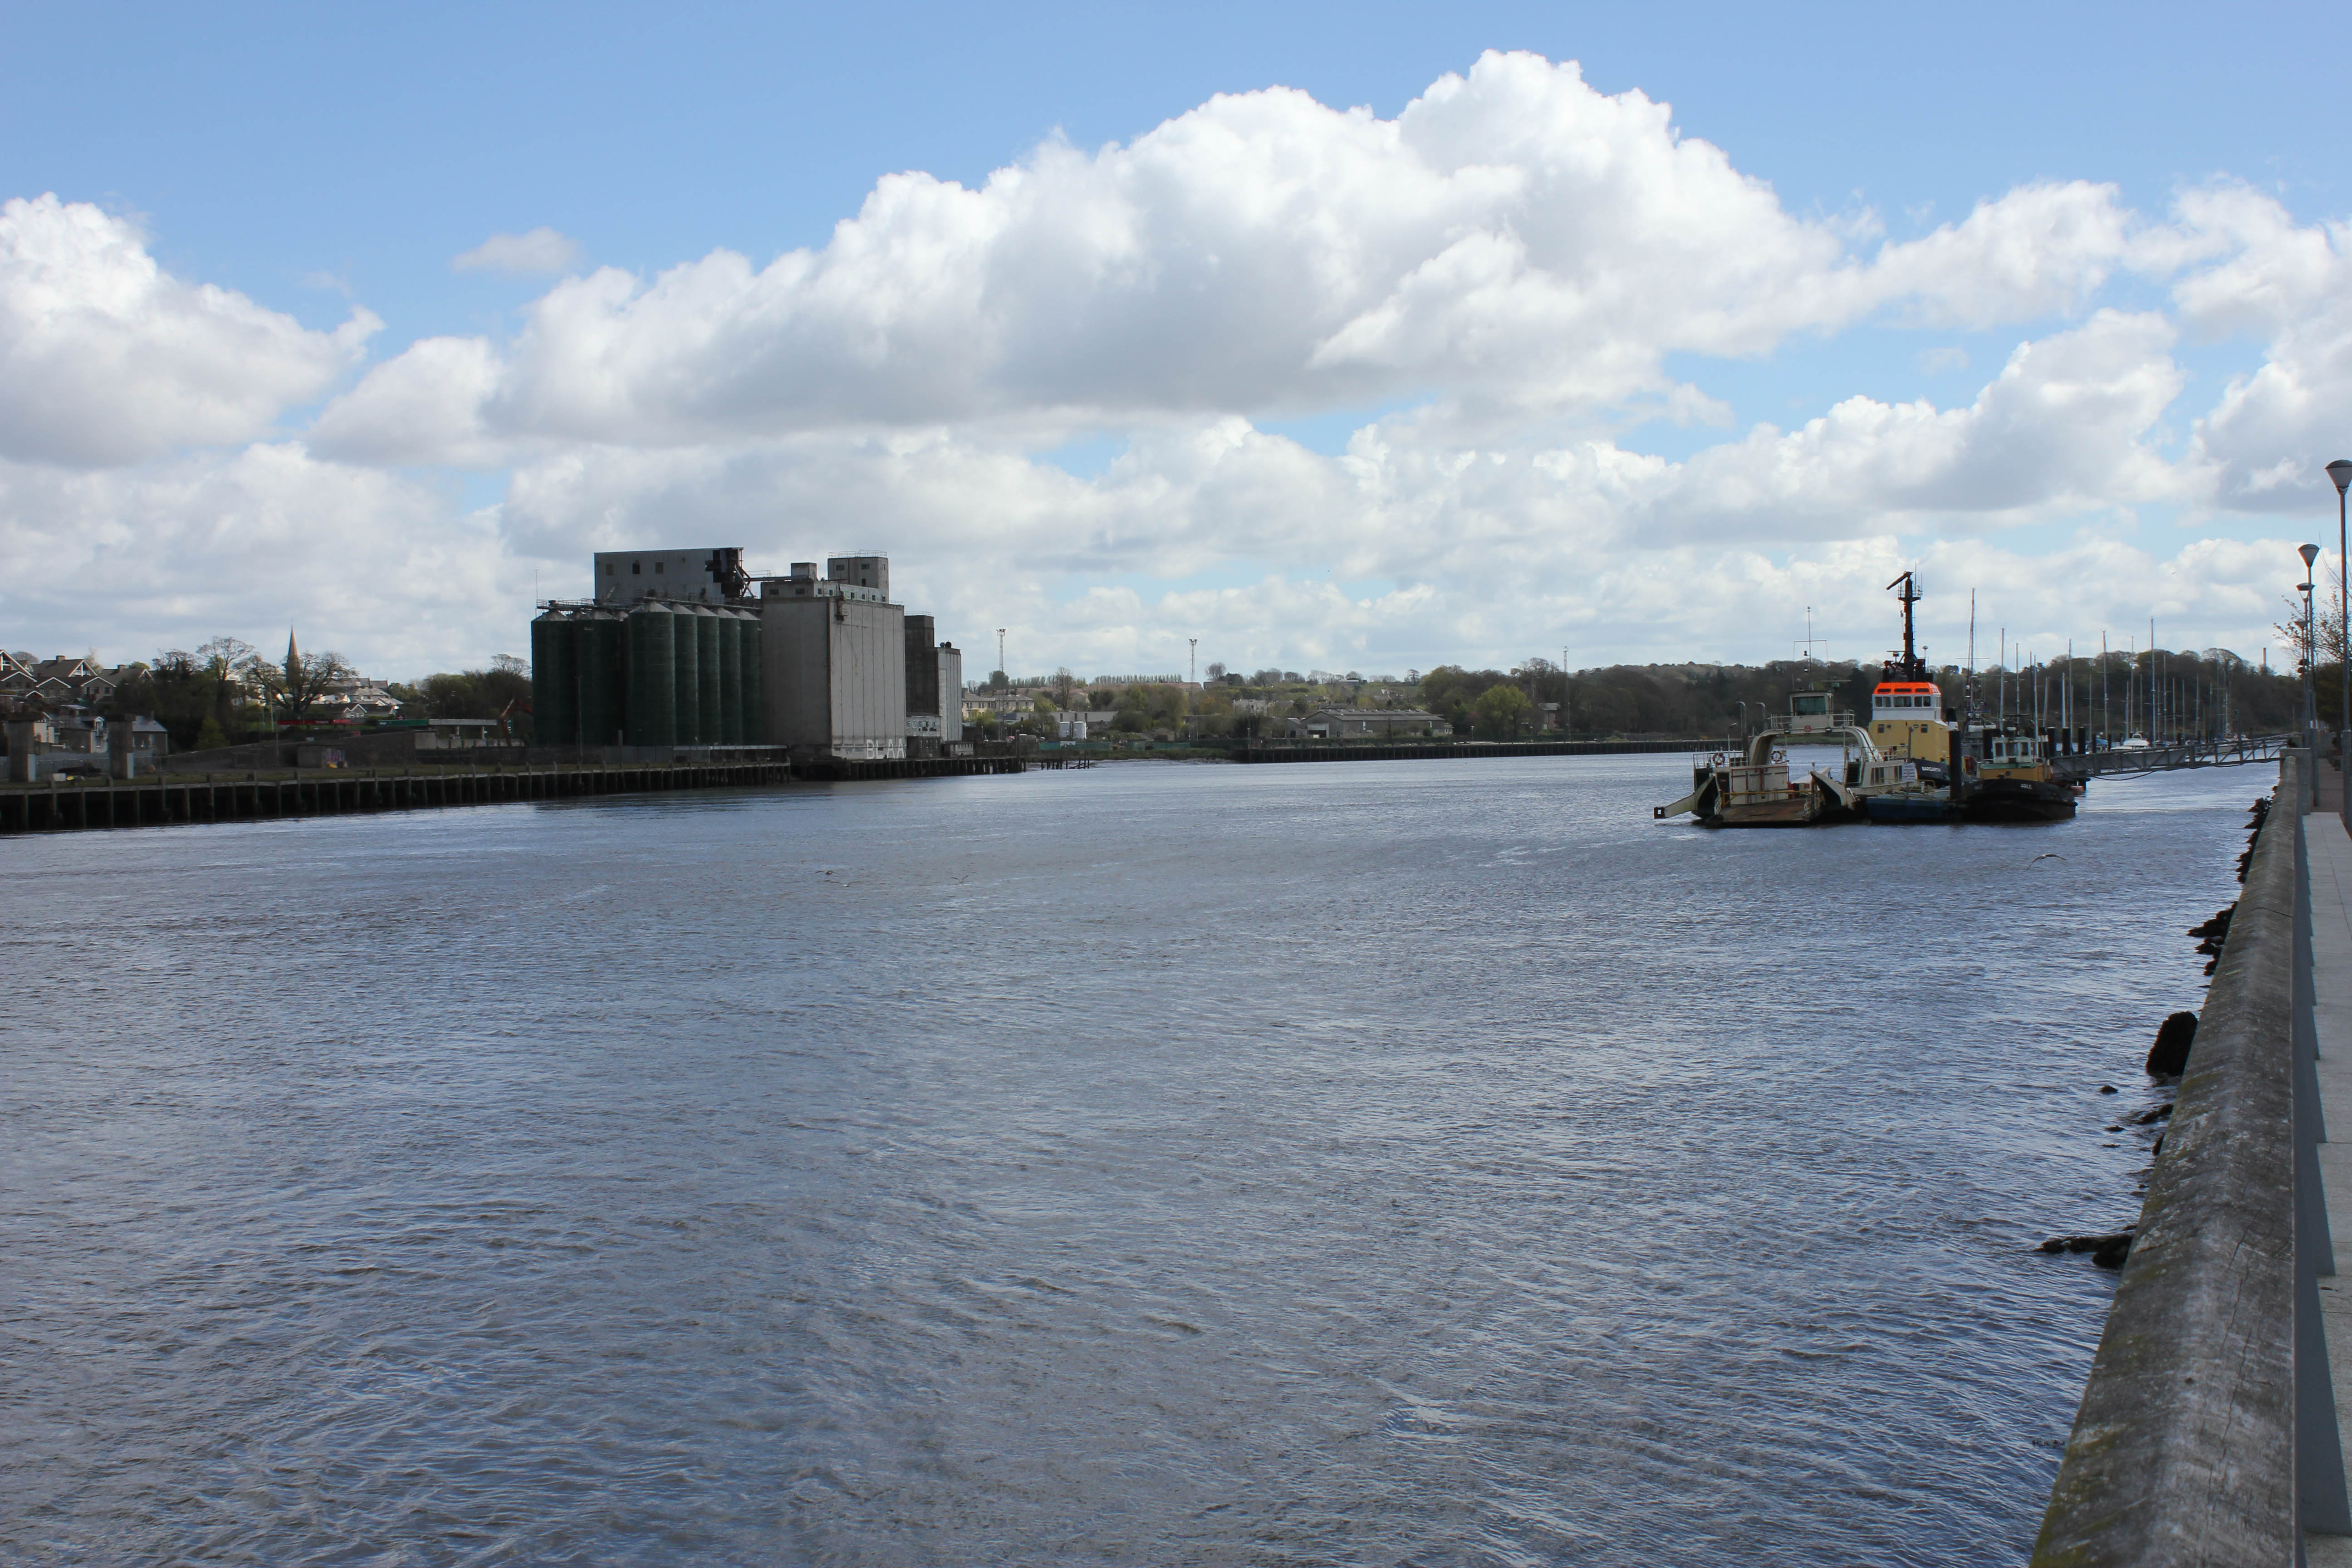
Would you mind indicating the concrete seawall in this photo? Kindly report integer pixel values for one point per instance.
(2206, 1431)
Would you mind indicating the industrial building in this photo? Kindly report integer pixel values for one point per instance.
(837, 649)
(934, 691)
(685, 648)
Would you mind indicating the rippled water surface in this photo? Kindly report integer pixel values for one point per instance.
(1429, 1162)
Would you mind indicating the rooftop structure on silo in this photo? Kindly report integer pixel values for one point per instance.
(862, 578)
(861, 572)
(712, 576)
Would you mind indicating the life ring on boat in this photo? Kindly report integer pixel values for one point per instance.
(1716, 761)
(1780, 756)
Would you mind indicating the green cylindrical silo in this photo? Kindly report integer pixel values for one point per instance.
(685, 669)
(755, 708)
(554, 680)
(730, 678)
(708, 661)
(604, 705)
(653, 676)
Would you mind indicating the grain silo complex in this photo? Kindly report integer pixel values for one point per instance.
(684, 648)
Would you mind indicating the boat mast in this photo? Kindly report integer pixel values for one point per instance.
(1911, 668)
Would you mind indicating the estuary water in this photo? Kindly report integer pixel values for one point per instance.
(1421, 1162)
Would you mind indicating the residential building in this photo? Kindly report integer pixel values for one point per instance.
(61, 679)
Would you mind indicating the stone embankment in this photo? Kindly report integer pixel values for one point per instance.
(2206, 1431)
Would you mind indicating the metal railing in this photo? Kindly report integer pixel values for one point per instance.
(2207, 1432)
(2171, 754)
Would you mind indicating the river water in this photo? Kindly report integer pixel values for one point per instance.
(1419, 1163)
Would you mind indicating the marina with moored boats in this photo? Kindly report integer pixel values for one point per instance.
(1924, 756)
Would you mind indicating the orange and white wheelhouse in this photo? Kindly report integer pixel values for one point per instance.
(1906, 720)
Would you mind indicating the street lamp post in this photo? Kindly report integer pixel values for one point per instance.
(2310, 552)
(2340, 470)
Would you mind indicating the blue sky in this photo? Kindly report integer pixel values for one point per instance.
(313, 160)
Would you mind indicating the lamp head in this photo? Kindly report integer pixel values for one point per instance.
(2309, 553)
(2340, 470)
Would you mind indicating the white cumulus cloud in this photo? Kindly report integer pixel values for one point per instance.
(1526, 273)
(380, 567)
(540, 250)
(105, 358)
(1513, 240)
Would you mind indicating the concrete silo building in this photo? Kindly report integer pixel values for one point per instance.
(834, 660)
(681, 648)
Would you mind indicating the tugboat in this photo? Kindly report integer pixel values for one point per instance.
(1910, 779)
(2003, 775)
(1906, 707)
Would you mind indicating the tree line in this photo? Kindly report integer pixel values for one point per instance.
(225, 691)
(2166, 693)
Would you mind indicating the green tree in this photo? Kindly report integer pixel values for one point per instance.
(198, 698)
(292, 686)
(474, 693)
(1502, 712)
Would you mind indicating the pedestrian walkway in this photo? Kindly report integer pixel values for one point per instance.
(2330, 852)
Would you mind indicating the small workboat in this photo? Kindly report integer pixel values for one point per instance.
(1897, 789)
(1754, 790)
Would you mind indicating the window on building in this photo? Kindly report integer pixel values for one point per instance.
(658, 568)
(637, 568)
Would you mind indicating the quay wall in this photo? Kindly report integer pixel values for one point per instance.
(1389, 751)
(2200, 1400)
(225, 797)
(399, 748)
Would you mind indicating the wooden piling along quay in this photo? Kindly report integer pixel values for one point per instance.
(56, 806)
(840, 771)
